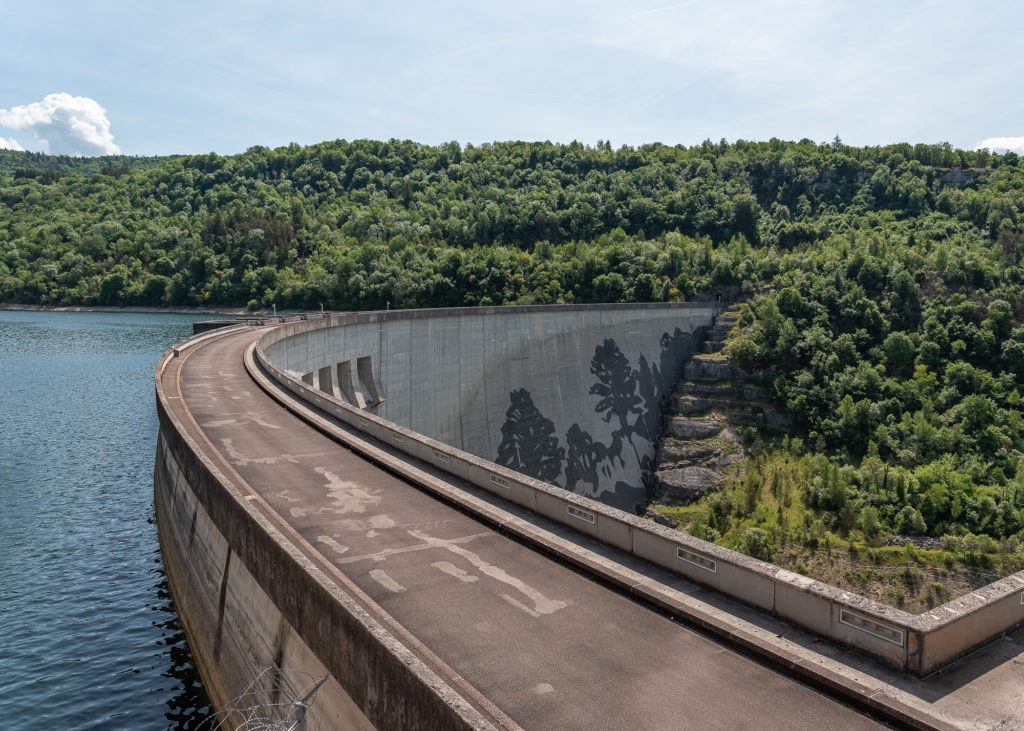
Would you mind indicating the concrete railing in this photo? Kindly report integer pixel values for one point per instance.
(918, 644)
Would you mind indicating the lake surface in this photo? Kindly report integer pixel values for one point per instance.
(88, 633)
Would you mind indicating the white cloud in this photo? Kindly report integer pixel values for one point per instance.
(64, 125)
(1014, 144)
(10, 144)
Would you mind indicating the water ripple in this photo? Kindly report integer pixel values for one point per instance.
(89, 638)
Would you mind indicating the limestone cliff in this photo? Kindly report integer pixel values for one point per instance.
(700, 440)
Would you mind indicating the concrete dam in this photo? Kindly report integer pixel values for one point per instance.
(378, 502)
(570, 395)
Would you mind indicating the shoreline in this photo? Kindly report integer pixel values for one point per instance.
(234, 311)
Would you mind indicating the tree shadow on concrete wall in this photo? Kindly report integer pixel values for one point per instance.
(528, 441)
(630, 398)
(655, 382)
(616, 389)
(583, 460)
(626, 392)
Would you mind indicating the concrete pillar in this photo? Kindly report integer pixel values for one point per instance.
(346, 386)
(365, 367)
(324, 382)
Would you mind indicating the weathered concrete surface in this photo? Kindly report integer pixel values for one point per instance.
(544, 644)
(571, 395)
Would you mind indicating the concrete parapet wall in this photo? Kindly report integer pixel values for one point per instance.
(570, 394)
(956, 627)
(918, 644)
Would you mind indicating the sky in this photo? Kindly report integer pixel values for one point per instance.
(141, 78)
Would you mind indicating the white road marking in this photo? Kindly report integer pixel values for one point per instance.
(453, 570)
(541, 604)
(519, 605)
(257, 419)
(383, 555)
(245, 418)
(381, 522)
(348, 497)
(241, 460)
(386, 581)
(333, 544)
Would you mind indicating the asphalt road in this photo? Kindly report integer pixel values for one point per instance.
(546, 645)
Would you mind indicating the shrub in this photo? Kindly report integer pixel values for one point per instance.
(756, 543)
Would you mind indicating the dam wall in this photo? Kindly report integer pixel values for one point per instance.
(571, 395)
(918, 644)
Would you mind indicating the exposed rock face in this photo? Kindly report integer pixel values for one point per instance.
(721, 390)
(660, 518)
(684, 483)
(717, 452)
(699, 441)
(682, 427)
(715, 367)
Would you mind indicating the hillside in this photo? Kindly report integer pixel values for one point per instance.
(47, 168)
(885, 285)
(357, 224)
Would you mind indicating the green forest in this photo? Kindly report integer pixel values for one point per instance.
(884, 285)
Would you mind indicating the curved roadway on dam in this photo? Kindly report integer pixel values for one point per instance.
(518, 634)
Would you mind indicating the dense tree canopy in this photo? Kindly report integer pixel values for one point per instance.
(887, 282)
(352, 225)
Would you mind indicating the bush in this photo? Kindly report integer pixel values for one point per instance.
(869, 522)
(155, 289)
(757, 544)
(911, 522)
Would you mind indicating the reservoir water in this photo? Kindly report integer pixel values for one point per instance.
(89, 638)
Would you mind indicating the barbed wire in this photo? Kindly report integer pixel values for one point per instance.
(277, 699)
